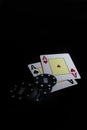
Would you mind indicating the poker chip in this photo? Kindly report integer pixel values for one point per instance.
(17, 91)
(45, 81)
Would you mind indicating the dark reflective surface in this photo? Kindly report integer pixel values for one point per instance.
(48, 29)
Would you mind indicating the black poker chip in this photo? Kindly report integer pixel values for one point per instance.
(20, 90)
(45, 81)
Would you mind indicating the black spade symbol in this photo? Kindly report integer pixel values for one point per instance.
(71, 81)
(36, 72)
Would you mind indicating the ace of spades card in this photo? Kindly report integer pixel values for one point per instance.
(35, 69)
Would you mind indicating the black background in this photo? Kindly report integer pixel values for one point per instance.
(37, 28)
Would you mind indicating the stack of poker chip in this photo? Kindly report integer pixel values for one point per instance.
(35, 92)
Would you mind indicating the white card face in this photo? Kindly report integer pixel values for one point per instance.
(63, 84)
(35, 69)
(59, 65)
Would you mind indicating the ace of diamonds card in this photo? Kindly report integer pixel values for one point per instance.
(59, 65)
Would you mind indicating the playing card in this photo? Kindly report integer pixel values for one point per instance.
(59, 65)
(35, 69)
(63, 84)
